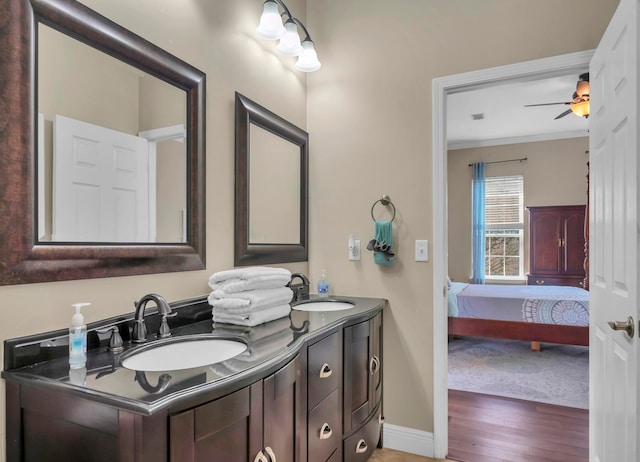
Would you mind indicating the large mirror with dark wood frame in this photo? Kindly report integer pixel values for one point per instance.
(88, 158)
(271, 187)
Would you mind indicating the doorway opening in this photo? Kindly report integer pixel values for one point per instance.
(442, 87)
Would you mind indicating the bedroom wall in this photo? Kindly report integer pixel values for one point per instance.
(554, 174)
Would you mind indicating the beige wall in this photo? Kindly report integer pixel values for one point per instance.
(554, 174)
(368, 112)
(370, 121)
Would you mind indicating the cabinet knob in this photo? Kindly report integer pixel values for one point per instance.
(270, 453)
(540, 281)
(325, 431)
(325, 371)
(260, 457)
(374, 365)
(361, 447)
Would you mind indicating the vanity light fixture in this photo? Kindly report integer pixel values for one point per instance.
(271, 28)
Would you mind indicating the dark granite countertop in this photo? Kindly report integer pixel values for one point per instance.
(42, 360)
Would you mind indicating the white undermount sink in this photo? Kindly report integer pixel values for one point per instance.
(182, 353)
(323, 305)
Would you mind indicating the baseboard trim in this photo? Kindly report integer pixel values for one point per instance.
(408, 440)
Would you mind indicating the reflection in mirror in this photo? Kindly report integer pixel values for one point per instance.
(271, 187)
(274, 188)
(27, 195)
(114, 157)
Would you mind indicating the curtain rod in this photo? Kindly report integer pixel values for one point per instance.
(501, 161)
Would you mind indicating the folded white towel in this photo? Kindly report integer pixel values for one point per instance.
(253, 334)
(254, 318)
(250, 299)
(247, 273)
(261, 281)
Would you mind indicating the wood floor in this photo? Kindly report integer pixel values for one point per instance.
(485, 428)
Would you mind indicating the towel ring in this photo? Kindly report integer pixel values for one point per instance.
(385, 200)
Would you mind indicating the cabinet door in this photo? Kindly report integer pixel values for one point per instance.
(362, 371)
(545, 241)
(228, 429)
(573, 235)
(282, 409)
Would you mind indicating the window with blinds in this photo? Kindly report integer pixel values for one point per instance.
(504, 218)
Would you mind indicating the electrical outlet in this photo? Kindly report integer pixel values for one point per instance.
(422, 250)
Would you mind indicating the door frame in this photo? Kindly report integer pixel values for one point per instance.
(443, 86)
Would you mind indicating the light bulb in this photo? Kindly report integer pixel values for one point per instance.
(290, 42)
(270, 26)
(581, 108)
(308, 59)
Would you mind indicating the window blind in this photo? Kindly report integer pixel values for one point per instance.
(504, 202)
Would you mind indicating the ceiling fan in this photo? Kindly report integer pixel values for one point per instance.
(580, 103)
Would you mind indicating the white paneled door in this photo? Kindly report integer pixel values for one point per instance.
(100, 184)
(614, 237)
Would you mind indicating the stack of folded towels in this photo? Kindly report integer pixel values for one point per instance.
(250, 296)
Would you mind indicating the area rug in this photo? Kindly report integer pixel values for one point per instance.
(559, 374)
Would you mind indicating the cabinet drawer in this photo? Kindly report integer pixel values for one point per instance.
(324, 368)
(576, 281)
(325, 431)
(359, 446)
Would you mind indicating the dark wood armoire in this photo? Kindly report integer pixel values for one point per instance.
(557, 245)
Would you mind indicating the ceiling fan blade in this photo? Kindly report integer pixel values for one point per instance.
(547, 104)
(568, 111)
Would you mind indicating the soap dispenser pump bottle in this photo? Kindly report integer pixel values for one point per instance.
(78, 338)
(323, 285)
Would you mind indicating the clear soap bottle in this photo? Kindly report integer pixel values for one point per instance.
(323, 285)
(78, 338)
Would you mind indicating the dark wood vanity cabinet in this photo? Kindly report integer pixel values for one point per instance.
(323, 404)
(556, 245)
(260, 422)
(362, 414)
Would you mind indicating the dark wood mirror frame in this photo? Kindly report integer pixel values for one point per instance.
(246, 253)
(22, 258)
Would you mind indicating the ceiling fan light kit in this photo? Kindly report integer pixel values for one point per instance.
(580, 103)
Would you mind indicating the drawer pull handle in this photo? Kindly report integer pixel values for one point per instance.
(325, 431)
(374, 365)
(325, 371)
(539, 281)
(361, 447)
(260, 457)
(270, 453)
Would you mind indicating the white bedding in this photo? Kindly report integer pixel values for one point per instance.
(561, 305)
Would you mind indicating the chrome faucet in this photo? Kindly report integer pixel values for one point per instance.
(300, 290)
(139, 334)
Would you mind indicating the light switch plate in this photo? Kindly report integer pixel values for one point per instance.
(422, 250)
(354, 250)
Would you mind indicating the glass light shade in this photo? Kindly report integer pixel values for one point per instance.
(290, 42)
(581, 108)
(308, 59)
(582, 89)
(270, 26)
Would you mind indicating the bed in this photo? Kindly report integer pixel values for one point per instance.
(551, 314)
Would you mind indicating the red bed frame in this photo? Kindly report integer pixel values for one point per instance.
(514, 330)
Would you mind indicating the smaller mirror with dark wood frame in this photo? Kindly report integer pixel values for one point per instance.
(29, 250)
(271, 187)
